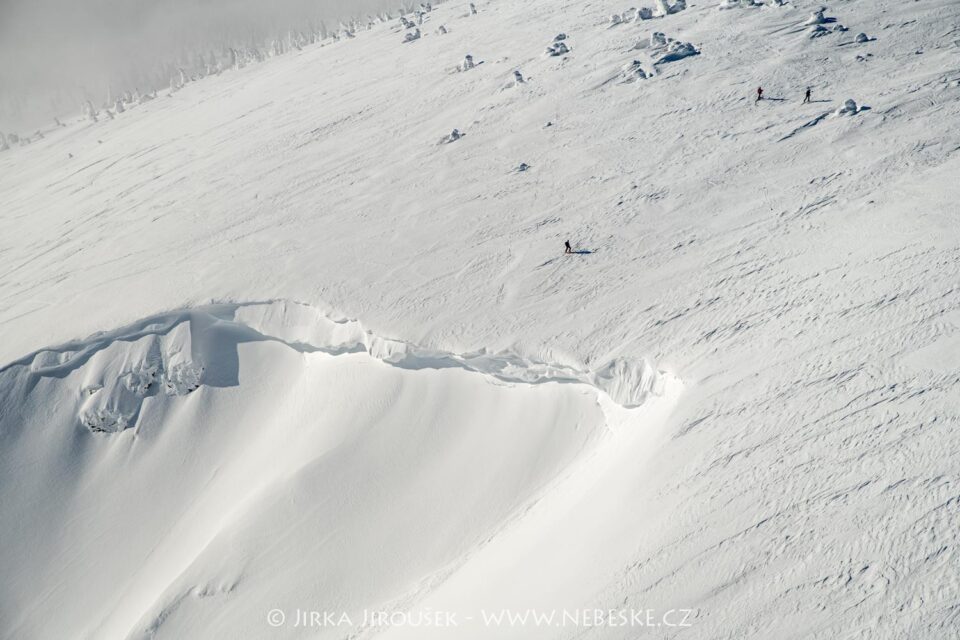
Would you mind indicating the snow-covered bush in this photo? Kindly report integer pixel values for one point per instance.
(559, 46)
(467, 63)
(182, 379)
(738, 4)
(89, 111)
(517, 77)
(633, 71)
(817, 17)
(662, 8)
(664, 49)
(104, 420)
(817, 31)
(676, 50)
(410, 37)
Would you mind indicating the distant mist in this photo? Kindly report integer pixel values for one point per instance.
(54, 54)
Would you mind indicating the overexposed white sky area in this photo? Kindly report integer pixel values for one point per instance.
(53, 53)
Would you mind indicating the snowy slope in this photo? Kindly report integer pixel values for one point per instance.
(332, 364)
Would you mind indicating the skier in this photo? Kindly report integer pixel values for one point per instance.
(759, 94)
(567, 247)
(806, 96)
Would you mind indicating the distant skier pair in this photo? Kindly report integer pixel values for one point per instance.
(806, 96)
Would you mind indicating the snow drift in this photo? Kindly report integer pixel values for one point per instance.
(193, 435)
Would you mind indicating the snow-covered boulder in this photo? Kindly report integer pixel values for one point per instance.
(861, 38)
(518, 77)
(453, 136)
(411, 36)
(616, 19)
(644, 13)
(849, 108)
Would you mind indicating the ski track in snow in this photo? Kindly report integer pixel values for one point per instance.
(798, 270)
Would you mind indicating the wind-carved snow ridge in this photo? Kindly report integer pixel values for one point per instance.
(176, 353)
(628, 382)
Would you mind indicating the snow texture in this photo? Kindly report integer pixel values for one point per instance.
(266, 344)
